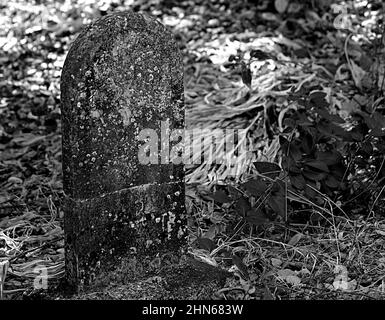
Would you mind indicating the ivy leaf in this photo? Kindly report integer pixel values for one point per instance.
(317, 99)
(246, 74)
(233, 192)
(278, 187)
(256, 217)
(329, 157)
(284, 143)
(322, 166)
(278, 204)
(294, 169)
(332, 182)
(242, 206)
(331, 117)
(256, 187)
(295, 152)
(289, 124)
(310, 192)
(338, 172)
(206, 244)
(330, 129)
(303, 120)
(298, 181)
(269, 169)
(219, 196)
(314, 176)
(307, 144)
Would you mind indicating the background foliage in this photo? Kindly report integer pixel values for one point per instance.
(299, 216)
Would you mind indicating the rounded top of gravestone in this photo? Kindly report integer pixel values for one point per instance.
(122, 76)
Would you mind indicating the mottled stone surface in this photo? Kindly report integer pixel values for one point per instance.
(123, 74)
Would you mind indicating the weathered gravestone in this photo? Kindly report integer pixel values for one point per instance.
(122, 79)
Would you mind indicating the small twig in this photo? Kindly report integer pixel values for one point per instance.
(375, 201)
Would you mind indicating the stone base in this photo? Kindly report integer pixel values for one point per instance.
(141, 223)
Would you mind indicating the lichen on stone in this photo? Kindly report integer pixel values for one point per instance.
(124, 73)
